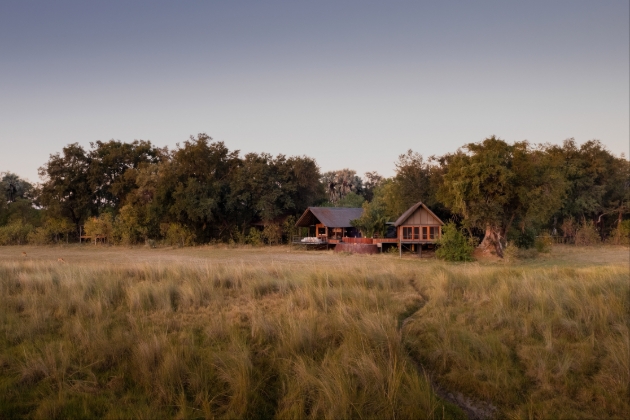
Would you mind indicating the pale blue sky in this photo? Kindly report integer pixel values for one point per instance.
(352, 84)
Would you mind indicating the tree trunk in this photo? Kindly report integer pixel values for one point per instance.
(492, 238)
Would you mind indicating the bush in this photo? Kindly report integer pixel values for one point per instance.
(15, 233)
(454, 246)
(621, 234)
(40, 236)
(543, 243)
(587, 235)
(393, 250)
(177, 235)
(127, 229)
(525, 239)
(512, 253)
(254, 237)
(99, 226)
(53, 231)
(272, 234)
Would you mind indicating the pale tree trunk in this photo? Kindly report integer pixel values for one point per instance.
(492, 238)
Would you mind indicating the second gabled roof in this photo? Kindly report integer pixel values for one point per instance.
(402, 219)
(329, 216)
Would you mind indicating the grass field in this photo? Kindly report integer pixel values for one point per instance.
(273, 332)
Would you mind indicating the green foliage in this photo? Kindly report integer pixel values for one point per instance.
(272, 234)
(453, 245)
(254, 237)
(352, 200)
(15, 233)
(39, 236)
(13, 188)
(493, 184)
(621, 234)
(177, 235)
(53, 231)
(127, 228)
(544, 243)
(587, 235)
(289, 229)
(101, 226)
(393, 250)
(525, 239)
(66, 191)
(340, 183)
(415, 180)
(513, 253)
(372, 220)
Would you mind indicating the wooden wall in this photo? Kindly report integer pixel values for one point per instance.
(421, 217)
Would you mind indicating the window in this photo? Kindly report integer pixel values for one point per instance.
(424, 233)
(433, 232)
(416, 233)
(406, 233)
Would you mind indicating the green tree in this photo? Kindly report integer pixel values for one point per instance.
(261, 189)
(17, 200)
(340, 183)
(66, 190)
(198, 186)
(372, 180)
(597, 184)
(453, 245)
(113, 166)
(373, 219)
(493, 185)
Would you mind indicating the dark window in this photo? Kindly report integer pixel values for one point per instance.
(416, 233)
(434, 232)
(424, 233)
(406, 233)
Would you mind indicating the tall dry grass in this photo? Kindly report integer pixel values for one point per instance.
(206, 341)
(342, 338)
(539, 342)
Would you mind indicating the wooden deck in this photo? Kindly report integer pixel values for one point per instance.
(367, 241)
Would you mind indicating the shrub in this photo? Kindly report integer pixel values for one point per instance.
(272, 234)
(621, 234)
(587, 235)
(454, 246)
(525, 239)
(372, 221)
(127, 228)
(40, 236)
(393, 250)
(543, 243)
(99, 226)
(177, 235)
(237, 237)
(513, 252)
(254, 237)
(289, 229)
(15, 233)
(569, 228)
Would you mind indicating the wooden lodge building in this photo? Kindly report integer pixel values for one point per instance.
(330, 226)
(418, 226)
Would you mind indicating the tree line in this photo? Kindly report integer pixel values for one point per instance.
(202, 192)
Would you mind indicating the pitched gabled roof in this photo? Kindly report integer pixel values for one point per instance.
(402, 219)
(329, 216)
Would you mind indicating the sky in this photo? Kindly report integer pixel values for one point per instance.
(353, 84)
